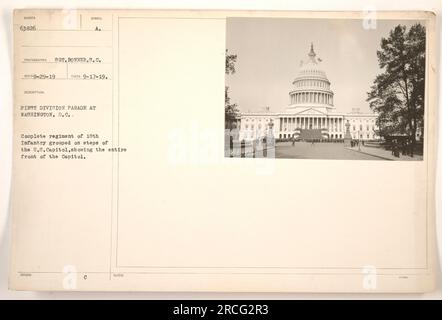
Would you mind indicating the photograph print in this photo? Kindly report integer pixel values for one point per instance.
(325, 89)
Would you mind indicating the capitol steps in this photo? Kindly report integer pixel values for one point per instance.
(310, 134)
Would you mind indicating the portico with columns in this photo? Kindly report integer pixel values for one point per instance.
(291, 124)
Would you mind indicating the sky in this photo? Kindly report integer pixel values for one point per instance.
(269, 52)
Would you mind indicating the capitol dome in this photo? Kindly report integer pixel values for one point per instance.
(311, 86)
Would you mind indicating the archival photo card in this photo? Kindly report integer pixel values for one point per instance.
(127, 176)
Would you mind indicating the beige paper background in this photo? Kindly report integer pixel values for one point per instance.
(180, 223)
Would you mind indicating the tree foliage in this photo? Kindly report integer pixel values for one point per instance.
(230, 62)
(397, 94)
(230, 109)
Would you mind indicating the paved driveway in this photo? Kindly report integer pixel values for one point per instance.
(325, 150)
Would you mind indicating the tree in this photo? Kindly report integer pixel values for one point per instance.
(397, 94)
(230, 109)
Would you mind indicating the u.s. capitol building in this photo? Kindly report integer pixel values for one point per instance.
(310, 114)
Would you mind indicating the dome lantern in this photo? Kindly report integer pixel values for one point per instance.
(312, 53)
